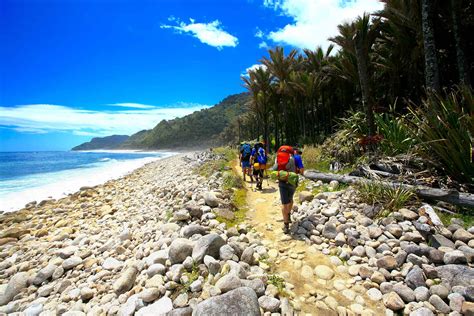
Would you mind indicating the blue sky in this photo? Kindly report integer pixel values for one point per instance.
(71, 70)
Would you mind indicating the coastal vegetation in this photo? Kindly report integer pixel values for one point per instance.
(399, 85)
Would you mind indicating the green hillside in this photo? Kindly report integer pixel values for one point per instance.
(108, 142)
(200, 128)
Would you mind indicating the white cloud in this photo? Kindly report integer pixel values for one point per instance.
(263, 45)
(133, 105)
(208, 33)
(259, 33)
(45, 118)
(314, 21)
(253, 67)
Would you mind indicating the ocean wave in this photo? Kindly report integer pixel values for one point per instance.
(15, 193)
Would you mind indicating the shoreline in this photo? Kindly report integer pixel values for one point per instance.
(62, 188)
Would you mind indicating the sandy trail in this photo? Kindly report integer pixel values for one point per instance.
(288, 255)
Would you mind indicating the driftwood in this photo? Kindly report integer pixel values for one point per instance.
(424, 192)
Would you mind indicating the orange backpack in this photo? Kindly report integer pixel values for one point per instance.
(283, 157)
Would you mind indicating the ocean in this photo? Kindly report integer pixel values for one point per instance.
(35, 176)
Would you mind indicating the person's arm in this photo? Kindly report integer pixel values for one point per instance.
(299, 164)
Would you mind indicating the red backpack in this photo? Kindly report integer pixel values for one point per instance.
(283, 157)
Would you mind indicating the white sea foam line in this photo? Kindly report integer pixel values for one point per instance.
(71, 181)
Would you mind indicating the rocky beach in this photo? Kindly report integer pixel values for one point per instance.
(150, 244)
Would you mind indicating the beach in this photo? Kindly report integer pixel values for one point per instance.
(121, 246)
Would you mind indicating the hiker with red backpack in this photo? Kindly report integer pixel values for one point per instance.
(244, 157)
(287, 167)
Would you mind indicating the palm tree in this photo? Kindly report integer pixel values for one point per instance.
(431, 61)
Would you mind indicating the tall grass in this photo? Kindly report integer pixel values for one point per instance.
(444, 126)
(397, 136)
(391, 198)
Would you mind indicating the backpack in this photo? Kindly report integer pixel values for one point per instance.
(261, 157)
(284, 159)
(246, 151)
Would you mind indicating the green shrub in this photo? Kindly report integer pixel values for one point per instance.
(397, 136)
(444, 126)
(277, 281)
(230, 181)
(391, 198)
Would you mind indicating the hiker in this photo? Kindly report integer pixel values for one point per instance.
(298, 160)
(287, 167)
(259, 163)
(244, 157)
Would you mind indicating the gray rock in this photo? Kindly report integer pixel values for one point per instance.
(159, 256)
(34, 309)
(455, 274)
(416, 260)
(323, 272)
(415, 277)
(329, 230)
(422, 293)
(422, 311)
(332, 210)
(194, 210)
(439, 304)
(207, 245)
(305, 196)
(156, 268)
(181, 215)
(196, 286)
(438, 240)
(112, 264)
(454, 257)
(226, 252)
(193, 229)
(151, 294)
(126, 281)
(130, 306)
(228, 282)
(375, 232)
(256, 284)
(183, 311)
(468, 253)
(241, 301)
(44, 274)
(87, 293)
(247, 255)
(394, 229)
(211, 199)
(462, 235)
(181, 300)
(407, 214)
(374, 294)
(456, 301)
(179, 249)
(71, 262)
(439, 290)
(269, 304)
(212, 264)
(406, 294)
(16, 284)
(160, 307)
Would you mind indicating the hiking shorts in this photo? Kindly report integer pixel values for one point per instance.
(286, 192)
(245, 163)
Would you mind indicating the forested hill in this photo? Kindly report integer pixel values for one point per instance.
(201, 128)
(108, 142)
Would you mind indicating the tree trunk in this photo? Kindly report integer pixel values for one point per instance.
(460, 57)
(362, 68)
(431, 61)
(453, 196)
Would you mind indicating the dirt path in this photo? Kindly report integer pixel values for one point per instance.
(295, 261)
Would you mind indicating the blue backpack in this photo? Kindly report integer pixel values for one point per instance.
(246, 151)
(261, 157)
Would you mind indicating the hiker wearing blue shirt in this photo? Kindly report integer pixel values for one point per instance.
(298, 161)
(259, 163)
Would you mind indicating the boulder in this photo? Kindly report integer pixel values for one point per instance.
(438, 240)
(454, 257)
(210, 199)
(44, 274)
(455, 274)
(179, 249)
(305, 196)
(228, 282)
(415, 277)
(407, 214)
(193, 229)
(16, 284)
(160, 307)
(323, 272)
(241, 301)
(387, 262)
(462, 235)
(393, 301)
(207, 245)
(269, 304)
(329, 230)
(126, 281)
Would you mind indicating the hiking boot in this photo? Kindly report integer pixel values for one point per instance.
(286, 228)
